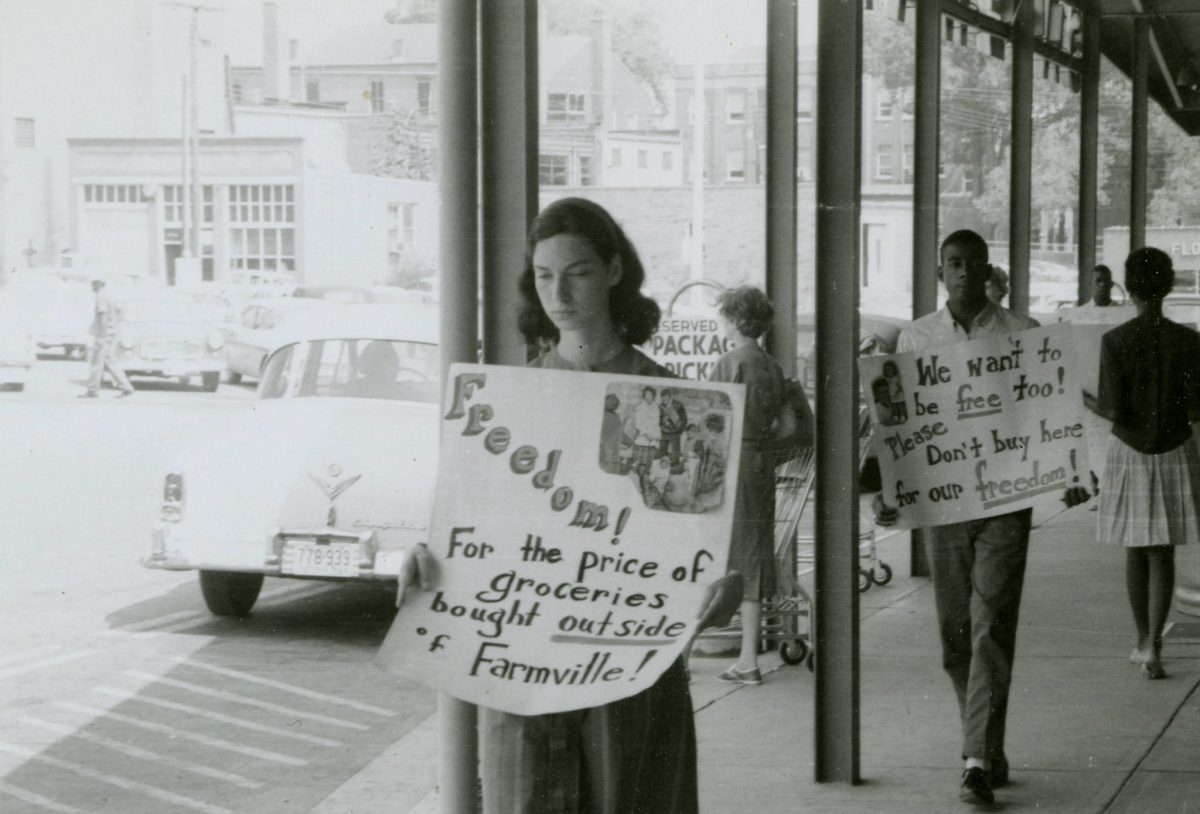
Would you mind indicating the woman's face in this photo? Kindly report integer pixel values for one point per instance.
(572, 282)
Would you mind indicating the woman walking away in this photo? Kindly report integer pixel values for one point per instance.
(745, 314)
(1150, 495)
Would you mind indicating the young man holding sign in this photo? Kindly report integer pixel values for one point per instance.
(978, 566)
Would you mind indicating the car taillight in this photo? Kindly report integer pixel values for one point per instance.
(215, 341)
(172, 505)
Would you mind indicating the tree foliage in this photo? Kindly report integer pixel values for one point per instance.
(407, 149)
(413, 11)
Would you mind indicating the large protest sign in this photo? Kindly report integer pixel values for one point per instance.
(977, 428)
(573, 545)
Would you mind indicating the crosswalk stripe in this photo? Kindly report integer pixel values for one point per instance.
(251, 702)
(280, 685)
(216, 743)
(143, 754)
(116, 780)
(46, 662)
(36, 799)
(199, 712)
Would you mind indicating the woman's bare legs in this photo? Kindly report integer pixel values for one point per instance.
(1150, 582)
(751, 610)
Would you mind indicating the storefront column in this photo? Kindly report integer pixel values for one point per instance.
(508, 75)
(835, 621)
(926, 127)
(1021, 177)
(781, 180)
(458, 281)
(1089, 151)
(1139, 134)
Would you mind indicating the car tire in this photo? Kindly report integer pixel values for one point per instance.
(230, 593)
(210, 381)
(233, 377)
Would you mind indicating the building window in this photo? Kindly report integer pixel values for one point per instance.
(423, 87)
(908, 102)
(689, 104)
(615, 158)
(668, 160)
(552, 170)
(804, 165)
(735, 106)
(262, 234)
(376, 95)
(312, 91)
(968, 178)
(566, 107)
(114, 194)
(883, 104)
(804, 102)
(585, 171)
(735, 165)
(643, 159)
(906, 164)
(24, 134)
(238, 92)
(401, 219)
(885, 165)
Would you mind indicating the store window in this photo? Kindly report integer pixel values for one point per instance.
(401, 230)
(376, 95)
(735, 106)
(885, 163)
(115, 194)
(262, 234)
(312, 91)
(172, 199)
(24, 134)
(586, 179)
(735, 165)
(423, 89)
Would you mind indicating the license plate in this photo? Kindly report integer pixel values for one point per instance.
(306, 558)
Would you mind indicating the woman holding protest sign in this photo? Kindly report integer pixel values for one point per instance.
(581, 295)
(1150, 494)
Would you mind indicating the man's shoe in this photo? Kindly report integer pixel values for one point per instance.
(125, 394)
(976, 787)
(735, 676)
(999, 772)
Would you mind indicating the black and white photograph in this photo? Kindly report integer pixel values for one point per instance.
(902, 297)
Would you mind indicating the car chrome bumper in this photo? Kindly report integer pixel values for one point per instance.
(167, 551)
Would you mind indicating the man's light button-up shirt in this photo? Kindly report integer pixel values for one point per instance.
(939, 328)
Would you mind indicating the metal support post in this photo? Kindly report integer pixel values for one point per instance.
(926, 126)
(781, 180)
(1021, 183)
(458, 224)
(197, 190)
(1089, 151)
(508, 146)
(835, 623)
(1139, 133)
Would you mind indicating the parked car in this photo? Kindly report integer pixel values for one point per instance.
(335, 463)
(16, 347)
(162, 333)
(258, 329)
(58, 312)
(360, 294)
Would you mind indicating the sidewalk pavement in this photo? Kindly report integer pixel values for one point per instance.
(1085, 732)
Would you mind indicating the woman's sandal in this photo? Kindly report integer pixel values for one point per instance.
(1153, 670)
(735, 676)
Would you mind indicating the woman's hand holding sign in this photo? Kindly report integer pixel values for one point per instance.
(419, 569)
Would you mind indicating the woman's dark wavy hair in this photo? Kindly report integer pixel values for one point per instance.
(748, 308)
(634, 315)
(1149, 274)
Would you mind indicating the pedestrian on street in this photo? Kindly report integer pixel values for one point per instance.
(1150, 495)
(104, 328)
(581, 290)
(978, 566)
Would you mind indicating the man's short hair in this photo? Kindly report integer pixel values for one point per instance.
(965, 237)
(1103, 269)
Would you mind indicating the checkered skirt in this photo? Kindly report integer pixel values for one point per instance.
(1150, 499)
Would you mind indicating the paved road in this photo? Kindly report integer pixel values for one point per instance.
(118, 691)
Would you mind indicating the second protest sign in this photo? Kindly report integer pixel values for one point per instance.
(978, 428)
